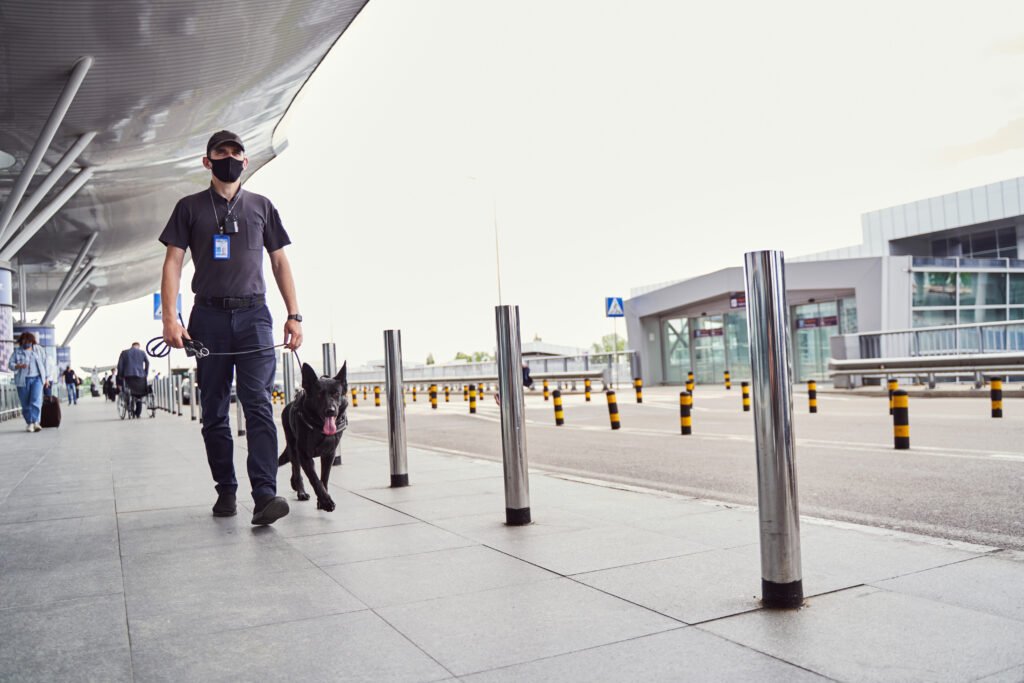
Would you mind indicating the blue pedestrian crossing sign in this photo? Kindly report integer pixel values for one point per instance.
(157, 312)
(613, 307)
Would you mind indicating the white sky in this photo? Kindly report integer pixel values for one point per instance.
(623, 143)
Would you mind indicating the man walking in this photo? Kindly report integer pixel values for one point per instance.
(228, 228)
(71, 382)
(133, 369)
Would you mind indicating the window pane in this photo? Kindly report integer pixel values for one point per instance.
(848, 316)
(939, 248)
(983, 244)
(934, 289)
(1017, 314)
(982, 315)
(982, 289)
(1017, 288)
(934, 318)
(1007, 238)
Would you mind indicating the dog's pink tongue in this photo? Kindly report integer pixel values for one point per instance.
(330, 428)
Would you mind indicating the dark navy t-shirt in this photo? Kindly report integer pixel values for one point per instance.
(197, 218)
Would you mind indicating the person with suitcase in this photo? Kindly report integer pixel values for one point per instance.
(31, 374)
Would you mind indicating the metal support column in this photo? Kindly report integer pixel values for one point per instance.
(69, 278)
(60, 108)
(771, 380)
(396, 407)
(513, 413)
(22, 293)
(58, 170)
(16, 242)
(79, 325)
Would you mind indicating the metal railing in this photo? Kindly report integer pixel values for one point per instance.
(623, 366)
(950, 340)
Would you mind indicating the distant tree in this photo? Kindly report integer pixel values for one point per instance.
(607, 344)
(464, 356)
(475, 357)
(430, 359)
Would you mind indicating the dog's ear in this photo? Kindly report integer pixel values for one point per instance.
(342, 375)
(310, 381)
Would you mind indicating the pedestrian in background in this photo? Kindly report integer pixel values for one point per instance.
(71, 382)
(31, 375)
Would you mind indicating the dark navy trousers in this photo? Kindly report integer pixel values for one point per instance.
(241, 329)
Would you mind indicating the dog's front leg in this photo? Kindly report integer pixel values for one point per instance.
(323, 501)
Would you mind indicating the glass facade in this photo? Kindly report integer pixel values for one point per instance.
(813, 325)
(1000, 243)
(709, 349)
(970, 291)
(737, 344)
(676, 343)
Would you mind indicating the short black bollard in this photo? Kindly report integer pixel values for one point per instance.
(689, 382)
(559, 413)
(812, 396)
(728, 380)
(685, 405)
(613, 409)
(364, 392)
(901, 419)
(447, 394)
(355, 398)
(997, 397)
(547, 393)
(414, 394)
(586, 390)
(465, 392)
(638, 385)
(472, 399)
(893, 386)
(376, 396)
(745, 388)
(433, 397)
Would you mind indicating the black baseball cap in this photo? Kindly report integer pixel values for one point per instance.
(220, 137)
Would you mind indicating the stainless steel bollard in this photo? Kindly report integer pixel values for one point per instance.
(396, 407)
(239, 417)
(513, 423)
(192, 395)
(771, 380)
(288, 376)
(330, 360)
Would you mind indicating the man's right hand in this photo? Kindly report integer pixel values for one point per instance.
(175, 334)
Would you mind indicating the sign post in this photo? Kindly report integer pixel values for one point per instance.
(613, 309)
(157, 312)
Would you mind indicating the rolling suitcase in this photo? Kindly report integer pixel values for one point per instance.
(49, 416)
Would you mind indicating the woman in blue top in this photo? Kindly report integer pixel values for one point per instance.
(29, 364)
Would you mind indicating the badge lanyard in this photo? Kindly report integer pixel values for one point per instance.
(221, 242)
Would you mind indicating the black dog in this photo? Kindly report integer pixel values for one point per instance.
(313, 424)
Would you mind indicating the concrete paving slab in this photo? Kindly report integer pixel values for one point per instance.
(490, 528)
(443, 489)
(594, 549)
(717, 527)
(352, 512)
(987, 584)
(50, 639)
(177, 529)
(683, 654)
(481, 631)
(426, 576)
(34, 513)
(358, 646)
(868, 634)
(373, 544)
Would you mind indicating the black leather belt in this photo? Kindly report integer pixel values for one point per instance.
(231, 302)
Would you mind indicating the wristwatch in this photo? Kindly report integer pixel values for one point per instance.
(296, 317)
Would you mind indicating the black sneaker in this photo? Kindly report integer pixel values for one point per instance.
(269, 510)
(225, 505)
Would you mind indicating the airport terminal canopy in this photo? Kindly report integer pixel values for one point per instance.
(105, 110)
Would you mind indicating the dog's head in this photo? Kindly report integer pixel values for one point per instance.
(326, 397)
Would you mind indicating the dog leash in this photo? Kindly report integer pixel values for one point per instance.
(158, 348)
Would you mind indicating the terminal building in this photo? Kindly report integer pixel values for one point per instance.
(943, 261)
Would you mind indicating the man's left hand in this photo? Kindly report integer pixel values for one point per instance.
(292, 334)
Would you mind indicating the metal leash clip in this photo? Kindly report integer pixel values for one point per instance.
(194, 347)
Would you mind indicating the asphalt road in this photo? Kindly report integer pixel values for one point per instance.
(962, 479)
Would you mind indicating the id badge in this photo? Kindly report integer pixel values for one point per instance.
(221, 247)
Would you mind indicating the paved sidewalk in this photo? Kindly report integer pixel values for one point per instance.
(113, 569)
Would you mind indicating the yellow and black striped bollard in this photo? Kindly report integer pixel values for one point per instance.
(638, 385)
(997, 397)
(901, 419)
(472, 399)
(433, 397)
(355, 398)
(745, 389)
(364, 392)
(685, 406)
(547, 393)
(812, 396)
(559, 413)
(728, 380)
(893, 386)
(613, 409)
(586, 390)
(465, 392)
(447, 394)
(376, 396)
(690, 384)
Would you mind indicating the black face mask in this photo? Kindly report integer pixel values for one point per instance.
(227, 170)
